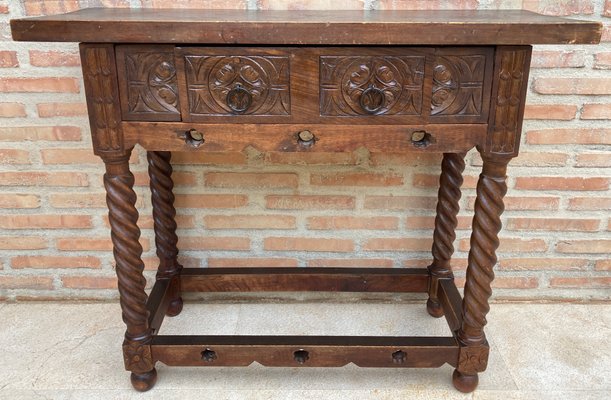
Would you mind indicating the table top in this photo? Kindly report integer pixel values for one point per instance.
(458, 27)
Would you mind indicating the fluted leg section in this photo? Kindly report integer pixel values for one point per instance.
(491, 189)
(123, 217)
(164, 213)
(450, 181)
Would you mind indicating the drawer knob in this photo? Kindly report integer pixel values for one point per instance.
(372, 100)
(421, 138)
(399, 357)
(194, 138)
(301, 356)
(306, 138)
(239, 99)
(209, 355)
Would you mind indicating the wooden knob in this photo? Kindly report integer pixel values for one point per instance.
(306, 138)
(399, 357)
(301, 356)
(417, 136)
(209, 355)
(194, 138)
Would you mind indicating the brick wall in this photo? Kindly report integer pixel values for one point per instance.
(353, 209)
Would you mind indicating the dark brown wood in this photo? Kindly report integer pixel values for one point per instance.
(451, 301)
(284, 137)
(322, 351)
(305, 279)
(157, 304)
(485, 27)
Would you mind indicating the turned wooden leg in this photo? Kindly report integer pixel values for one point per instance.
(164, 213)
(123, 216)
(473, 357)
(451, 179)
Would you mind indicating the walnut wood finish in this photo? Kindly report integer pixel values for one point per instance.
(222, 80)
(325, 27)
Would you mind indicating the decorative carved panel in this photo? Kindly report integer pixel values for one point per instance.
(238, 85)
(473, 359)
(458, 83)
(151, 85)
(509, 91)
(378, 85)
(101, 87)
(137, 356)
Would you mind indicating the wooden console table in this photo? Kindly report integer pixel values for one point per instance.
(308, 81)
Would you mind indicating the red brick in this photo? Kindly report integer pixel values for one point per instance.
(536, 159)
(51, 262)
(213, 243)
(581, 283)
(4, 9)
(512, 245)
(310, 5)
(43, 7)
(309, 202)
(51, 133)
(208, 158)
(428, 222)
(603, 265)
(428, 180)
(26, 282)
(146, 221)
(428, 4)
(585, 86)
(607, 10)
(80, 200)
(559, 7)
(8, 59)
(553, 224)
(596, 160)
(308, 244)
(561, 183)
(606, 34)
(602, 60)
(49, 110)
(22, 243)
(596, 111)
(400, 202)
(180, 178)
(348, 222)
(252, 262)
(211, 200)
(539, 264)
(40, 221)
(518, 282)
(40, 85)
(351, 262)
(89, 282)
(314, 158)
(593, 246)
(558, 59)
(590, 203)
(15, 200)
(54, 58)
(560, 112)
(14, 156)
(249, 222)
(91, 244)
(208, 4)
(525, 203)
(39, 178)
(569, 136)
(69, 156)
(251, 180)
(12, 110)
(398, 244)
(356, 179)
(408, 159)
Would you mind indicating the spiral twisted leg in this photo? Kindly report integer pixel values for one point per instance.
(164, 213)
(491, 189)
(123, 217)
(451, 179)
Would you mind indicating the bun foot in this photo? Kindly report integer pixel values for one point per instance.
(175, 307)
(434, 308)
(144, 381)
(464, 383)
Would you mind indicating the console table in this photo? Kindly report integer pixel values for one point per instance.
(307, 81)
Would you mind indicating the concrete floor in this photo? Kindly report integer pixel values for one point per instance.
(72, 351)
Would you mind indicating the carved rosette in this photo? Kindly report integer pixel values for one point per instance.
(164, 213)
(380, 85)
(508, 100)
(449, 195)
(100, 78)
(491, 189)
(151, 83)
(473, 359)
(137, 356)
(458, 85)
(245, 85)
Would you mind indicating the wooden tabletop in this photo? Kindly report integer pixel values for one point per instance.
(123, 25)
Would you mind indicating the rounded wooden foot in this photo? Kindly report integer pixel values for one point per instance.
(144, 381)
(464, 383)
(434, 308)
(175, 307)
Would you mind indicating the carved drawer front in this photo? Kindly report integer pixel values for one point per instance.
(235, 82)
(148, 83)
